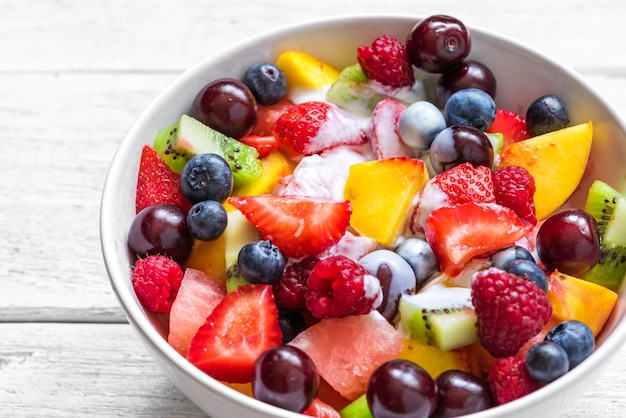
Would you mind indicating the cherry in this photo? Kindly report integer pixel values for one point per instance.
(468, 74)
(460, 144)
(461, 393)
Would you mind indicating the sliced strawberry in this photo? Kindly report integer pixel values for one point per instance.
(511, 125)
(385, 139)
(157, 183)
(241, 327)
(466, 183)
(312, 127)
(299, 227)
(263, 144)
(459, 233)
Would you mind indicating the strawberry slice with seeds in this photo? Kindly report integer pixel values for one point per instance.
(385, 139)
(157, 183)
(466, 183)
(299, 227)
(241, 327)
(312, 127)
(511, 125)
(459, 233)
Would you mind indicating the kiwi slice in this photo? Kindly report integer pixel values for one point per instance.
(358, 408)
(238, 233)
(187, 137)
(352, 91)
(441, 316)
(608, 207)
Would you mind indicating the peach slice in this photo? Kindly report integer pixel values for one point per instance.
(303, 70)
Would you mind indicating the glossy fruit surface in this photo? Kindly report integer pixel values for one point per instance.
(529, 270)
(575, 338)
(207, 220)
(160, 229)
(226, 105)
(418, 254)
(401, 388)
(546, 114)
(456, 145)
(261, 262)
(468, 74)
(504, 256)
(285, 376)
(420, 123)
(438, 43)
(470, 107)
(461, 393)
(546, 361)
(267, 83)
(568, 241)
(206, 177)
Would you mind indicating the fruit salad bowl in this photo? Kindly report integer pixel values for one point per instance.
(522, 76)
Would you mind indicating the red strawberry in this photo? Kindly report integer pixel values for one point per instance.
(157, 183)
(387, 62)
(385, 139)
(263, 144)
(509, 380)
(514, 187)
(466, 183)
(459, 233)
(312, 127)
(511, 125)
(509, 310)
(320, 409)
(156, 280)
(241, 327)
(299, 227)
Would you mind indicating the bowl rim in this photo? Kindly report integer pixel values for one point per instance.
(142, 324)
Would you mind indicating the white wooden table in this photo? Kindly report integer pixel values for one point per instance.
(73, 77)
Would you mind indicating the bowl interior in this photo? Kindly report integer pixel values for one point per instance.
(522, 76)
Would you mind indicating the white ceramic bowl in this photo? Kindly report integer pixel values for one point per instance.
(522, 75)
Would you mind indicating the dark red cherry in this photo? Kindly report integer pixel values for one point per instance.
(468, 74)
(461, 393)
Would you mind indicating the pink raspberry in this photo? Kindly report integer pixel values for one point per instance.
(338, 287)
(386, 62)
(514, 187)
(290, 289)
(156, 280)
(509, 310)
(509, 380)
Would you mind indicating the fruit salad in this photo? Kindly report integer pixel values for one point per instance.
(341, 242)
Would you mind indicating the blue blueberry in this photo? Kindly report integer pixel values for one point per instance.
(576, 338)
(261, 262)
(419, 124)
(267, 83)
(504, 256)
(207, 220)
(470, 107)
(546, 361)
(419, 255)
(528, 270)
(206, 177)
(546, 114)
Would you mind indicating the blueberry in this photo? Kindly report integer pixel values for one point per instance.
(267, 83)
(419, 255)
(546, 114)
(470, 107)
(206, 177)
(576, 338)
(528, 270)
(546, 361)
(504, 256)
(419, 123)
(207, 220)
(261, 262)
(291, 323)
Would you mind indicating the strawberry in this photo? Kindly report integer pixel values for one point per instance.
(320, 409)
(263, 144)
(509, 310)
(385, 139)
(511, 125)
(312, 127)
(466, 183)
(514, 187)
(387, 62)
(299, 227)
(241, 327)
(156, 280)
(459, 233)
(157, 183)
(509, 380)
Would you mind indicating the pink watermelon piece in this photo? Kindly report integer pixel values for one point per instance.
(346, 351)
(197, 296)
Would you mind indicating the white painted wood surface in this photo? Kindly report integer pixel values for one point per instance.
(73, 77)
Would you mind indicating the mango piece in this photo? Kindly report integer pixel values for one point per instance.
(435, 361)
(209, 257)
(557, 160)
(303, 70)
(578, 299)
(381, 192)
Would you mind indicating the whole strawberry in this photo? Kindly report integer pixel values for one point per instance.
(509, 380)
(156, 280)
(509, 310)
(386, 61)
(514, 188)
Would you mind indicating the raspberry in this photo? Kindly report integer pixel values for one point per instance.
(514, 187)
(339, 287)
(386, 62)
(509, 310)
(509, 380)
(290, 289)
(156, 280)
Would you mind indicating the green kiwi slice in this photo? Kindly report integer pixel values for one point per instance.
(238, 233)
(187, 137)
(608, 207)
(352, 91)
